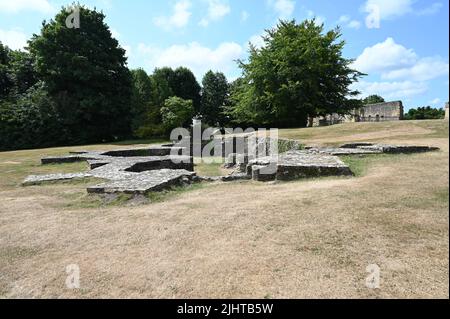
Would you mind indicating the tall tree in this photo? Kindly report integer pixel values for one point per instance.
(141, 101)
(185, 86)
(215, 95)
(298, 73)
(17, 72)
(23, 70)
(6, 82)
(85, 71)
(162, 79)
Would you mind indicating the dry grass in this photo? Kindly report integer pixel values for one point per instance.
(301, 239)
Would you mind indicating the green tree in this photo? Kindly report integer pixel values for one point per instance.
(6, 81)
(141, 98)
(167, 83)
(185, 86)
(215, 94)
(425, 113)
(299, 72)
(162, 79)
(373, 99)
(17, 72)
(86, 75)
(177, 112)
(180, 82)
(29, 120)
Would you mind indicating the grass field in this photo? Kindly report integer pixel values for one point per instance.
(304, 239)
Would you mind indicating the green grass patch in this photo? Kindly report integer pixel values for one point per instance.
(83, 200)
(14, 173)
(209, 169)
(359, 164)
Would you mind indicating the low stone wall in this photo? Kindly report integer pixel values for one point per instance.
(296, 165)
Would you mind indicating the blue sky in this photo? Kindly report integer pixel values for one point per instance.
(402, 44)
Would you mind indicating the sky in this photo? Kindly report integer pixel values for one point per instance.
(403, 45)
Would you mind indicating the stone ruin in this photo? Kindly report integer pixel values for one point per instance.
(379, 112)
(131, 171)
(312, 161)
(153, 169)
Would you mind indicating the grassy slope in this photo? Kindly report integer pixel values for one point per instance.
(382, 131)
(301, 239)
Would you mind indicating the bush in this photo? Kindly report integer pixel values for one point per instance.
(177, 112)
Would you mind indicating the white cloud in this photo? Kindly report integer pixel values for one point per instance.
(391, 90)
(283, 8)
(389, 9)
(378, 10)
(14, 6)
(346, 21)
(435, 101)
(354, 24)
(395, 62)
(385, 56)
(198, 58)
(257, 40)
(424, 69)
(14, 39)
(403, 73)
(179, 18)
(244, 16)
(217, 9)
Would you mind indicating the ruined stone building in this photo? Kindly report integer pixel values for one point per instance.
(381, 112)
(388, 111)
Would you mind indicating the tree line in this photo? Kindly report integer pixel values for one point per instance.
(72, 86)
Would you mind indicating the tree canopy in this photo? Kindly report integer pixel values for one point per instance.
(298, 72)
(373, 99)
(72, 85)
(215, 95)
(85, 72)
(142, 98)
(177, 112)
(425, 113)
